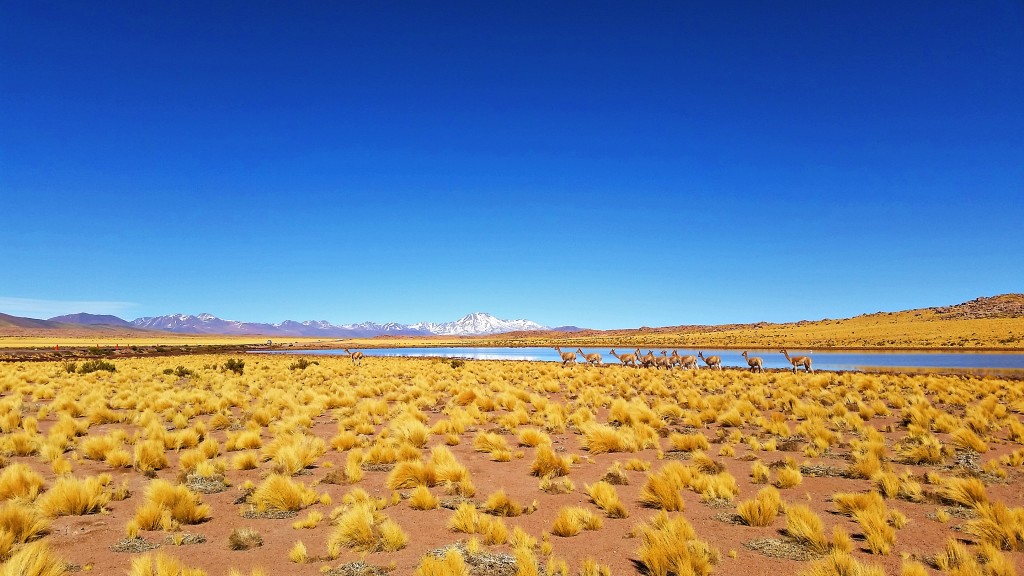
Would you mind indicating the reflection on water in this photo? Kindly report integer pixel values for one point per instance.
(730, 358)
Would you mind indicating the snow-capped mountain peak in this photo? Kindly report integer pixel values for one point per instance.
(474, 324)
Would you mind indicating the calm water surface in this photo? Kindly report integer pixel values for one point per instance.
(730, 358)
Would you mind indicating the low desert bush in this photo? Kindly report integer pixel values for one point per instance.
(90, 366)
(235, 365)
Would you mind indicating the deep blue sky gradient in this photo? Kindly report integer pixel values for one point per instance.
(604, 164)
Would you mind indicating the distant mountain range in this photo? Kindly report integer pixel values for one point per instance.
(475, 324)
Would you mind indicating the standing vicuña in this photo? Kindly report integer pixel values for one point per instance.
(357, 356)
(804, 361)
(567, 357)
(592, 359)
(647, 360)
(755, 363)
(711, 361)
(626, 359)
(686, 362)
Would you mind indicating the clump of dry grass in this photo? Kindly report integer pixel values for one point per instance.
(451, 564)
(34, 559)
(606, 498)
(466, 519)
(547, 462)
(571, 520)
(364, 529)
(998, 526)
(280, 492)
(669, 546)
(244, 539)
(71, 496)
(968, 492)
(298, 553)
(160, 564)
(842, 564)
(422, 499)
(805, 527)
(167, 506)
(19, 481)
(616, 475)
(687, 442)
(499, 504)
(762, 509)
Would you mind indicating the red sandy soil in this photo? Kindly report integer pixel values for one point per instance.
(85, 540)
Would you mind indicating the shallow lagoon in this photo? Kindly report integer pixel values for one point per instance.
(823, 360)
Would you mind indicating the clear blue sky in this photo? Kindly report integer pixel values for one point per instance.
(603, 164)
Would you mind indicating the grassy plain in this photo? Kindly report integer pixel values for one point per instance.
(432, 467)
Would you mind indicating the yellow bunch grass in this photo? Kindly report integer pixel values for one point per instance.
(968, 492)
(280, 492)
(149, 456)
(422, 499)
(616, 475)
(451, 564)
(499, 504)
(34, 559)
(19, 481)
(312, 520)
(571, 520)
(71, 496)
(410, 474)
(245, 461)
(547, 462)
(966, 438)
(842, 564)
(662, 491)
(553, 485)
(850, 503)
(668, 546)
(167, 505)
(490, 442)
(687, 442)
(298, 553)
(160, 564)
(998, 526)
(22, 522)
(805, 527)
(606, 498)
(762, 509)
(759, 472)
(878, 535)
(533, 437)
(364, 529)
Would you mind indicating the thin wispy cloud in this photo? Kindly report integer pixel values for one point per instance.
(35, 308)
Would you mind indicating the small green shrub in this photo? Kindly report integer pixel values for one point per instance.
(302, 364)
(96, 365)
(234, 365)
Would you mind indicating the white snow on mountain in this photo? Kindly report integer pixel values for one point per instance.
(475, 324)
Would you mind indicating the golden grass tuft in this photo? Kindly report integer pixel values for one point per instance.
(533, 437)
(298, 553)
(34, 559)
(548, 463)
(364, 529)
(160, 564)
(499, 504)
(410, 474)
(998, 526)
(167, 506)
(451, 564)
(149, 456)
(805, 527)
(762, 509)
(22, 522)
(20, 481)
(878, 534)
(788, 478)
(968, 492)
(841, 564)
(603, 494)
(616, 475)
(280, 492)
(312, 520)
(71, 496)
(571, 520)
(687, 442)
(668, 546)
(760, 473)
(244, 539)
(422, 499)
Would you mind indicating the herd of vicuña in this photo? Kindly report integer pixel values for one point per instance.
(666, 361)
